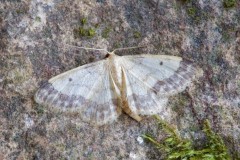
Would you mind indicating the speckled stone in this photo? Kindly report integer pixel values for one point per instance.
(33, 35)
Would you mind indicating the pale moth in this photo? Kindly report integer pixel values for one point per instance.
(135, 84)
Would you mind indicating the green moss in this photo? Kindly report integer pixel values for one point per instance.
(215, 144)
(22, 10)
(174, 147)
(84, 32)
(137, 34)
(227, 31)
(96, 25)
(18, 11)
(105, 32)
(185, 1)
(195, 13)
(19, 75)
(91, 32)
(192, 11)
(229, 3)
(38, 19)
(39, 109)
(83, 21)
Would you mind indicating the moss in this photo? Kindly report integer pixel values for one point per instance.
(196, 14)
(227, 32)
(18, 11)
(38, 19)
(39, 109)
(19, 75)
(91, 32)
(137, 34)
(175, 147)
(185, 1)
(229, 3)
(96, 25)
(192, 11)
(105, 32)
(84, 32)
(22, 10)
(83, 21)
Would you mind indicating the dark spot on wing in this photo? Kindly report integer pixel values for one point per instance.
(161, 63)
(70, 79)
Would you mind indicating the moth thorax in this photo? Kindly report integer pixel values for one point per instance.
(115, 70)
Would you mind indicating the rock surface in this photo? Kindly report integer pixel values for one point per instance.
(33, 48)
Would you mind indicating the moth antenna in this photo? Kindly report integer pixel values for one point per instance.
(86, 48)
(128, 48)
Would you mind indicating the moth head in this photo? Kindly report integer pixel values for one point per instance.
(109, 54)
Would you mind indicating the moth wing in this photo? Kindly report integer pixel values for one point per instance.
(150, 79)
(140, 98)
(88, 89)
(166, 75)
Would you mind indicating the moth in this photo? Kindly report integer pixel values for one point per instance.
(102, 90)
